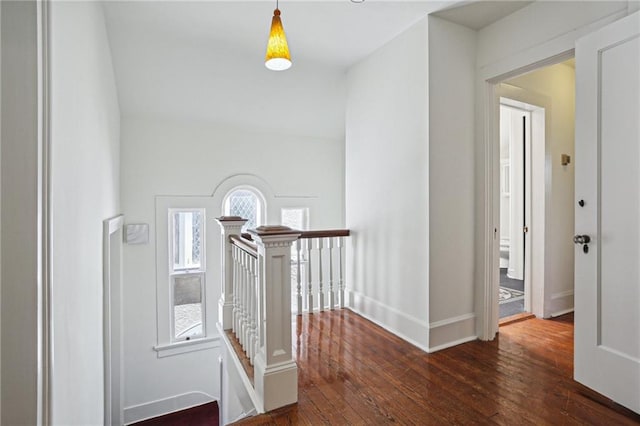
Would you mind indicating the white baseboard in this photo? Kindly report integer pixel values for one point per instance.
(560, 313)
(452, 331)
(137, 413)
(405, 326)
(562, 294)
(560, 303)
(244, 416)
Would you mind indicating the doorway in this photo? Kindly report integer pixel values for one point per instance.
(534, 188)
(515, 166)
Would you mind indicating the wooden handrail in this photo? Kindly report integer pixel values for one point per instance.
(244, 244)
(325, 233)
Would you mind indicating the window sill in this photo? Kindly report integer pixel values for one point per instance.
(178, 348)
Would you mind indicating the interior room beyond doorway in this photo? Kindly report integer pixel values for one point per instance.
(536, 190)
(515, 137)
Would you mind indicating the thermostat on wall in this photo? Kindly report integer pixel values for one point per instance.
(136, 233)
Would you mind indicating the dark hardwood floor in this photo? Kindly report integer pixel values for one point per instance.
(354, 372)
(202, 415)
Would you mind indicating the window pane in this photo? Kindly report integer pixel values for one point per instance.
(295, 218)
(244, 203)
(187, 240)
(187, 306)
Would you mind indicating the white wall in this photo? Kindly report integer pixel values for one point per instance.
(387, 186)
(558, 84)
(532, 26)
(451, 177)
(180, 158)
(19, 222)
(85, 185)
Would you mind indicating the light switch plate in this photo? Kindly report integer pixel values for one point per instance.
(136, 233)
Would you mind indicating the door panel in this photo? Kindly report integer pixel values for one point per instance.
(619, 209)
(607, 291)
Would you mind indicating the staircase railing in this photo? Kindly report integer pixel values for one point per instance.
(318, 269)
(255, 306)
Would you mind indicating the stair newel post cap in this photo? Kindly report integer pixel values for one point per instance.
(267, 230)
(223, 219)
(274, 233)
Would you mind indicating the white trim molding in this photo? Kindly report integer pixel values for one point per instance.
(414, 330)
(452, 331)
(562, 294)
(112, 320)
(45, 239)
(547, 52)
(185, 346)
(160, 407)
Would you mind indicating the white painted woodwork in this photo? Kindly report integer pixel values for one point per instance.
(341, 271)
(332, 297)
(112, 321)
(22, 201)
(320, 275)
(226, 302)
(328, 289)
(519, 43)
(276, 373)
(259, 289)
(245, 300)
(299, 277)
(607, 294)
(309, 276)
(511, 118)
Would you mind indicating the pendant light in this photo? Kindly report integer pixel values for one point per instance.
(277, 58)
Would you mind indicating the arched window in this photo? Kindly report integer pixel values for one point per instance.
(248, 203)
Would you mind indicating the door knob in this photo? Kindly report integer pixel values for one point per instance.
(581, 239)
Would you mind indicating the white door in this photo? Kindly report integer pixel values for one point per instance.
(607, 277)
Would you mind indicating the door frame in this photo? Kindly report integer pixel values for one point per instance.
(490, 128)
(112, 319)
(540, 55)
(538, 106)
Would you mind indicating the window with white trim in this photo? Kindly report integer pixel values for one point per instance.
(187, 273)
(248, 203)
(186, 295)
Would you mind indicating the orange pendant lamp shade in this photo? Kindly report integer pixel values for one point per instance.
(277, 58)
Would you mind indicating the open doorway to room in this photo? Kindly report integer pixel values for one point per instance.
(536, 192)
(515, 166)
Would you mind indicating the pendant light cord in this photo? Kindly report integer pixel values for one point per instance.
(277, 4)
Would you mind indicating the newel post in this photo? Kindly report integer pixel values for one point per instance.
(229, 225)
(276, 372)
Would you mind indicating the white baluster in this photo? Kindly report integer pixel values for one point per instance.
(320, 283)
(243, 297)
(247, 284)
(236, 289)
(340, 276)
(332, 297)
(309, 282)
(238, 295)
(298, 281)
(253, 342)
(251, 309)
(234, 251)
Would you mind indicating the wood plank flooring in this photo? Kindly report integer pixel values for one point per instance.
(354, 372)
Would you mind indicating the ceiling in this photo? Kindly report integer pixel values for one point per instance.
(337, 33)
(332, 33)
(477, 15)
(204, 60)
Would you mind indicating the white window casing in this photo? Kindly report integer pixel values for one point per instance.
(185, 298)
